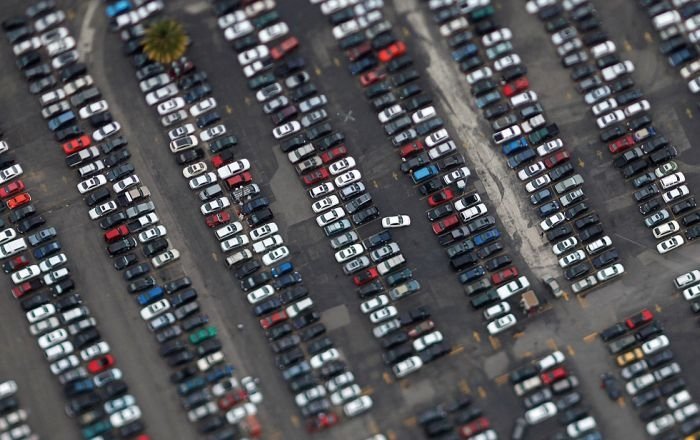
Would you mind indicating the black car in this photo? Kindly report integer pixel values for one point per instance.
(286, 280)
(417, 102)
(137, 271)
(558, 233)
(365, 215)
(286, 343)
(97, 196)
(606, 258)
(440, 212)
(256, 280)
(577, 271)
(305, 319)
(208, 119)
(168, 333)
(21, 213)
(418, 314)
(313, 331)
(498, 262)
(590, 233)
(434, 351)
(142, 284)
(124, 261)
(394, 339)
(279, 331)
(35, 301)
(184, 297)
(397, 354)
(247, 268)
(684, 205)
(293, 294)
(576, 210)
(121, 246)
(223, 143)
(370, 289)
(289, 358)
(194, 322)
(155, 247)
(178, 284)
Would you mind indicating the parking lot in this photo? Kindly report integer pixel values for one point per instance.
(477, 363)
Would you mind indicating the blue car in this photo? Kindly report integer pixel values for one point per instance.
(486, 237)
(47, 250)
(118, 8)
(472, 274)
(514, 146)
(191, 385)
(219, 373)
(425, 173)
(464, 52)
(150, 296)
(362, 65)
(282, 269)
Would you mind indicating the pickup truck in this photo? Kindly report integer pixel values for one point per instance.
(132, 195)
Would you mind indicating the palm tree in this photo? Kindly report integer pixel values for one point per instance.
(165, 41)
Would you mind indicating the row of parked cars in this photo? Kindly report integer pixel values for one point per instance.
(455, 419)
(498, 81)
(689, 286)
(407, 346)
(13, 418)
(647, 364)
(643, 155)
(677, 24)
(215, 400)
(81, 360)
(548, 389)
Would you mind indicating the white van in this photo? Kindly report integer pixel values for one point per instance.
(12, 248)
(672, 180)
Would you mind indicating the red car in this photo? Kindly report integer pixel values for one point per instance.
(475, 427)
(273, 319)
(371, 77)
(315, 176)
(321, 421)
(552, 376)
(115, 234)
(445, 224)
(239, 179)
(11, 189)
(26, 287)
(359, 51)
(19, 200)
(222, 159)
(284, 48)
(100, 364)
(504, 275)
(231, 399)
(411, 149)
(334, 153)
(395, 50)
(15, 263)
(421, 328)
(77, 144)
(640, 318)
(516, 86)
(441, 197)
(557, 158)
(622, 144)
(217, 219)
(365, 276)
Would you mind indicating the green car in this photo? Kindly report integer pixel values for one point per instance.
(203, 334)
(96, 429)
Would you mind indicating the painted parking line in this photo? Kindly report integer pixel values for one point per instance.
(406, 31)
(464, 387)
(571, 350)
(495, 342)
(368, 391)
(621, 402)
(689, 112)
(318, 71)
(648, 38)
(391, 435)
(295, 421)
(590, 338)
(456, 350)
(552, 344)
(502, 379)
(527, 354)
(410, 422)
(477, 336)
(387, 378)
(373, 427)
(229, 110)
(626, 45)
(336, 61)
(482, 392)
(215, 256)
(518, 335)
(658, 308)
(583, 302)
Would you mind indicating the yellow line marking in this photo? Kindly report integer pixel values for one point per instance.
(215, 256)
(395, 175)
(599, 154)
(64, 178)
(387, 378)
(374, 182)
(277, 435)
(464, 387)
(247, 100)
(411, 421)
(405, 384)
(391, 435)
(502, 379)
(495, 343)
(336, 61)
(621, 402)
(457, 349)
(70, 14)
(482, 392)
(647, 37)
(295, 421)
(581, 163)
(571, 351)
(658, 308)
(569, 96)
(229, 110)
(368, 391)
(518, 335)
(406, 31)
(527, 354)
(318, 71)
(565, 295)
(582, 301)
(626, 44)
(477, 336)
(552, 344)
(373, 427)
(590, 338)
(689, 113)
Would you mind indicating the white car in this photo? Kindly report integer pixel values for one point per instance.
(25, 46)
(658, 425)
(423, 114)
(125, 416)
(202, 106)
(229, 230)
(479, 74)
(610, 272)
(93, 109)
(52, 262)
(238, 30)
(302, 399)
(25, 274)
(527, 97)
(39, 313)
(503, 34)
(461, 173)
(263, 231)
(322, 358)
(233, 243)
(531, 170)
(506, 61)
(573, 257)
(64, 364)
(611, 72)
(598, 245)
(675, 193)
(94, 350)
(678, 399)
(52, 338)
(273, 32)
(329, 216)
(551, 361)
(275, 255)
(215, 205)
(340, 381)
(436, 137)
(396, 221)
(194, 170)
(152, 233)
(126, 183)
(670, 244)
(552, 221)
(407, 366)
(341, 165)
(213, 132)
(374, 303)
(533, 6)
(540, 413)
(254, 54)
(260, 294)
(637, 107)
(686, 412)
(163, 93)
(102, 210)
(346, 28)
(49, 20)
(241, 411)
(321, 190)
(181, 131)
(171, 105)
(55, 276)
(550, 146)
(166, 257)
(267, 244)
(666, 229)
(537, 183)
(10, 173)
(347, 178)
(106, 131)
(345, 394)
(286, 129)
(687, 279)
(610, 118)
(501, 324)
(349, 252)
(426, 341)
(325, 204)
(231, 18)
(383, 314)
(453, 26)
(202, 180)
(654, 345)
(604, 106)
(497, 310)
(442, 150)
(390, 113)
(357, 406)
(155, 309)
